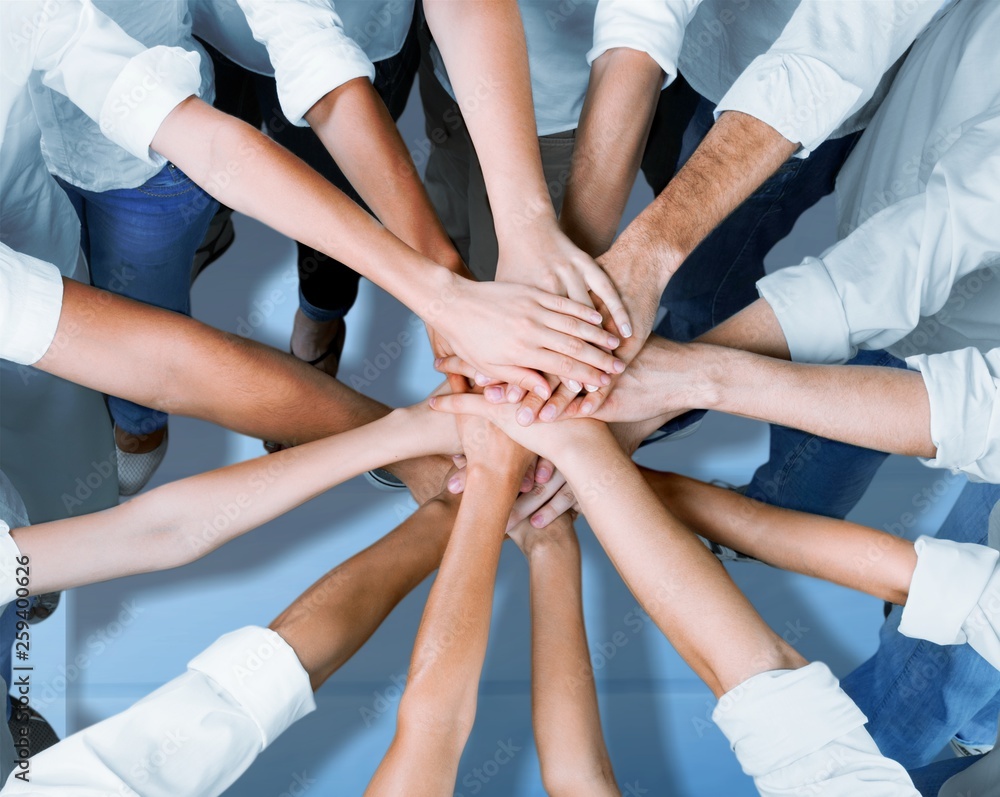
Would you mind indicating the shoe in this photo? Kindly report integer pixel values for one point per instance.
(381, 479)
(965, 750)
(722, 552)
(135, 470)
(26, 723)
(218, 238)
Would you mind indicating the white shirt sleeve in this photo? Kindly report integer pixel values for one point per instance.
(31, 293)
(309, 50)
(872, 287)
(964, 391)
(120, 84)
(826, 65)
(655, 27)
(194, 736)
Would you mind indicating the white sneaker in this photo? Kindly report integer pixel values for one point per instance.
(135, 470)
(963, 750)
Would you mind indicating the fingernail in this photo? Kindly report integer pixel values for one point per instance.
(586, 409)
(452, 485)
(494, 394)
(592, 388)
(605, 379)
(627, 330)
(574, 385)
(432, 402)
(514, 395)
(540, 391)
(542, 474)
(548, 414)
(596, 317)
(613, 342)
(524, 416)
(618, 366)
(438, 361)
(481, 379)
(537, 521)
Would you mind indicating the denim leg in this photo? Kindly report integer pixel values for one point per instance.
(141, 242)
(918, 695)
(931, 778)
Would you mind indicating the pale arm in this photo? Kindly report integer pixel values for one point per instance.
(438, 706)
(571, 750)
(187, 519)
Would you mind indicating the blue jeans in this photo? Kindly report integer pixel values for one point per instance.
(918, 695)
(140, 243)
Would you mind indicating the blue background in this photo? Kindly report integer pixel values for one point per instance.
(141, 631)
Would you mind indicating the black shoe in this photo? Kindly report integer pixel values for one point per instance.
(218, 239)
(26, 723)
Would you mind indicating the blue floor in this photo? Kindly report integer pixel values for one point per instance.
(141, 631)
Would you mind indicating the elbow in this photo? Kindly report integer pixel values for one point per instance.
(579, 779)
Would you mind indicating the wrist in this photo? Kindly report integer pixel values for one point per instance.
(534, 217)
(435, 290)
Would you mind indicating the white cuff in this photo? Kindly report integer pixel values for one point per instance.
(948, 582)
(262, 673)
(9, 553)
(30, 306)
(810, 311)
(150, 86)
(325, 60)
(645, 40)
(802, 98)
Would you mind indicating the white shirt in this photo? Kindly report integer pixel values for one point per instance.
(811, 69)
(558, 36)
(127, 89)
(310, 46)
(31, 292)
(194, 736)
(73, 144)
(919, 271)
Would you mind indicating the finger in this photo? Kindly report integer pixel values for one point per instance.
(514, 394)
(483, 380)
(529, 477)
(544, 471)
(602, 286)
(563, 501)
(564, 306)
(584, 352)
(526, 379)
(495, 394)
(592, 402)
(459, 461)
(454, 365)
(461, 404)
(456, 484)
(457, 383)
(526, 505)
(556, 406)
(568, 368)
(576, 328)
(573, 408)
(576, 289)
(528, 411)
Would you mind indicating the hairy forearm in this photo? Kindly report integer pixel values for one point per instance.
(483, 46)
(614, 126)
(736, 157)
(331, 620)
(844, 553)
(357, 130)
(887, 409)
(573, 757)
(185, 520)
(247, 171)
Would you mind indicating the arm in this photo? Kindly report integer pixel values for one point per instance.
(439, 703)
(483, 45)
(248, 687)
(571, 750)
(187, 519)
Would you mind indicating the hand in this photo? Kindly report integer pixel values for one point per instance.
(513, 332)
(543, 256)
(530, 539)
(551, 441)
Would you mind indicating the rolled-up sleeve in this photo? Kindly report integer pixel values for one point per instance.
(309, 50)
(871, 289)
(655, 27)
(193, 736)
(123, 86)
(31, 294)
(964, 391)
(825, 65)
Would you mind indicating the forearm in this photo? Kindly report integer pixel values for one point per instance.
(736, 157)
(357, 130)
(331, 620)
(755, 328)
(187, 519)
(886, 409)
(614, 126)
(683, 588)
(844, 553)
(574, 759)
(483, 46)
(245, 170)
